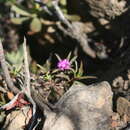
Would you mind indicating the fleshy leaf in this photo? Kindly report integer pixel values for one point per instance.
(15, 58)
(20, 11)
(58, 57)
(80, 71)
(42, 68)
(36, 25)
(63, 2)
(73, 59)
(69, 56)
(55, 71)
(73, 17)
(63, 76)
(87, 77)
(19, 20)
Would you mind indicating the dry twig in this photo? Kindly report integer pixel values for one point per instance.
(73, 31)
(26, 88)
(60, 14)
(6, 71)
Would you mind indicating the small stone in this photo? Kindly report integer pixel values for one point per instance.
(126, 84)
(123, 107)
(115, 116)
(118, 82)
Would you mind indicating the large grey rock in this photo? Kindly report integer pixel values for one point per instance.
(82, 108)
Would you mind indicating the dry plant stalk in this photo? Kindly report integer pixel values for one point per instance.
(5, 70)
(73, 31)
(26, 88)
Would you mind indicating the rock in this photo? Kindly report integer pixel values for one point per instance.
(17, 120)
(98, 8)
(123, 107)
(121, 119)
(82, 107)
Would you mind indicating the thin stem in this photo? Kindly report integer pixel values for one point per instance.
(26, 69)
(27, 88)
(59, 13)
(6, 71)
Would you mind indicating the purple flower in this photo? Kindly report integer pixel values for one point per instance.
(63, 64)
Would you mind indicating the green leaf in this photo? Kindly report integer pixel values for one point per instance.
(76, 69)
(63, 2)
(15, 58)
(63, 76)
(73, 71)
(36, 25)
(48, 76)
(58, 57)
(87, 77)
(73, 17)
(55, 71)
(47, 65)
(20, 11)
(73, 59)
(65, 11)
(42, 68)
(69, 56)
(80, 71)
(19, 20)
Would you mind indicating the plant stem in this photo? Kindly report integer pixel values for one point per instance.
(6, 71)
